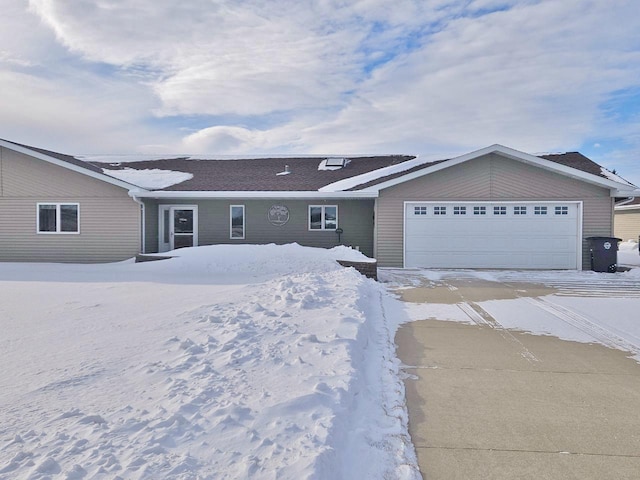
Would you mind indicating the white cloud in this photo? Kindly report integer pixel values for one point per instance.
(215, 57)
(359, 76)
(522, 77)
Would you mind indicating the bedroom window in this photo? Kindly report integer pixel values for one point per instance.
(58, 218)
(236, 214)
(323, 217)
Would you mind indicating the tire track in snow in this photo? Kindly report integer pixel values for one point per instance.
(481, 317)
(584, 285)
(603, 335)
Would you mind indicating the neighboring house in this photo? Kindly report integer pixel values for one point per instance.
(627, 220)
(492, 208)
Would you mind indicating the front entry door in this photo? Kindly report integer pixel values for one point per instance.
(178, 227)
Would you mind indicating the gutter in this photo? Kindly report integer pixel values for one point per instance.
(625, 201)
(132, 194)
(255, 194)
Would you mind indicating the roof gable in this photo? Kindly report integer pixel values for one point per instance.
(573, 165)
(66, 161)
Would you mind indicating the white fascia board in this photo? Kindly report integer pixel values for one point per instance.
(68, 166)
(626, 193)
(256, 194)
(615, 187)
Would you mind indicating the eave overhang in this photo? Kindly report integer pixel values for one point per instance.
(171, 194)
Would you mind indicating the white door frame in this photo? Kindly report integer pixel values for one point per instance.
(169, 230)
(578, 203)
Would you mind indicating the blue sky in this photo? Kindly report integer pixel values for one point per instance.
(436, 78)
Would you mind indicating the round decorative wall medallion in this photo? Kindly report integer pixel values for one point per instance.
(278, 215)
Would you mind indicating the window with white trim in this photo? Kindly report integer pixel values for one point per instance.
(499, 210)
(562, 210)
(236, 222)
(439, 210)
(519, 210)
(419, 210)
(540, 210)
(479, 210)
(58, 218)
(459, 210)
(323, 217)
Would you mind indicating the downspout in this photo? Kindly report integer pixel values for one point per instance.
(132, 194)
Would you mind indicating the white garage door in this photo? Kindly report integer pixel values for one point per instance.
(492, 235)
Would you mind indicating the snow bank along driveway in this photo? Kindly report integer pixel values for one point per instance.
(227, 362)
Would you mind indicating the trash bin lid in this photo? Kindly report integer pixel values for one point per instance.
(604, 239)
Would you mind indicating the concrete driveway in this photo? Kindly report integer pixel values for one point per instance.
(486, 402)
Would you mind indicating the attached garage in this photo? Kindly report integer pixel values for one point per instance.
(495, 208)
(527, 235)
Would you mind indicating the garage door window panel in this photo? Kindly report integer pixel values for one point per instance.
(479, 210)
(459, 210)
(539, 210)
(519, 210)
(499, 210)
(419, 210)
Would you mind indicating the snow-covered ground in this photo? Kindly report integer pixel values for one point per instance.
(227, 362)
(240, 361)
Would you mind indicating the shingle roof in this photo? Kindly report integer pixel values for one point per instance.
(260, 174)
(60, 156)
(575, 160)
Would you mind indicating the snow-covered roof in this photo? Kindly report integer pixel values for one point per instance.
(150, 179)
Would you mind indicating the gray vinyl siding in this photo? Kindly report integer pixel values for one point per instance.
(355, 217)
(627, 224)
(489, 178)
(109, 219)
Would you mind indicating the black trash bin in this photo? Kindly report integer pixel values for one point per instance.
(604, 253)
